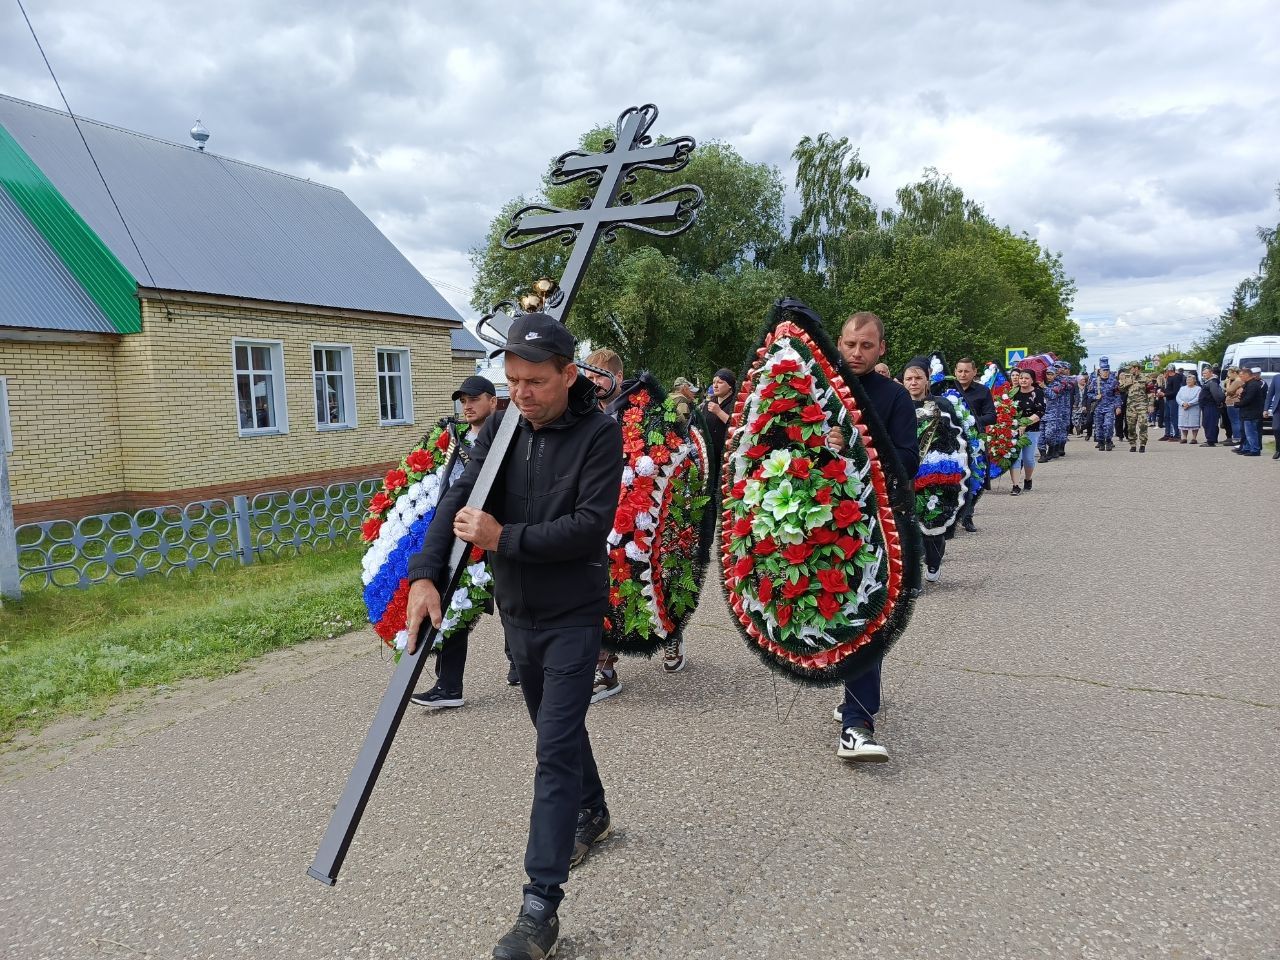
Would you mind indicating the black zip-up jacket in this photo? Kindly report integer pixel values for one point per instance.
(556, 498)
(983, 408)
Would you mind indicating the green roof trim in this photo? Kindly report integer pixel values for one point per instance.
(103, 277)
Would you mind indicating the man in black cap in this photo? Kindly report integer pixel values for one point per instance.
(478, 399)
(544, 527)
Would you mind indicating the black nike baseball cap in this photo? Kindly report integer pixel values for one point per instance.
(476, 386)
(537, 337)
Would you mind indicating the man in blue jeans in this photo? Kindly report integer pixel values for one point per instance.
(1173, 382)
(862, 344)
(1252, 398)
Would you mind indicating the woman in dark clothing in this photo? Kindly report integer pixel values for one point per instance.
(1029, 399)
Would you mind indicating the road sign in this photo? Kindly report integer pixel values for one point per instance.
(1150, 365)
(1013, 354)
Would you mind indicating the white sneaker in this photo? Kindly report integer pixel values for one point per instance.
(606, 685)
(857, 743)
(673, 659)
(933, 576)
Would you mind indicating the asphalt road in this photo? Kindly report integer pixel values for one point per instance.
(1083, 720)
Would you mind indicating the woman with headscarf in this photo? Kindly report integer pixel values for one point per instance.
(1188, 399)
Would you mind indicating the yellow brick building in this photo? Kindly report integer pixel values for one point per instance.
(218, 345)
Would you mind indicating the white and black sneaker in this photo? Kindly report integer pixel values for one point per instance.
(437, 698)
(534, 935)
(857, 743)
(933, 574)
(673, 659)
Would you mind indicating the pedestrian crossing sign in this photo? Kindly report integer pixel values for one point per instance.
(1014, 354)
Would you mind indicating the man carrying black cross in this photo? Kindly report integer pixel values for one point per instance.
(544, 527)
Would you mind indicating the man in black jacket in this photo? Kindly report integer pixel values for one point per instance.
(862, 344)
(1173, 382)
(544, 527)
(1252, 400)
(983, 408)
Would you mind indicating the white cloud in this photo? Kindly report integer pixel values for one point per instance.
(1140, 140)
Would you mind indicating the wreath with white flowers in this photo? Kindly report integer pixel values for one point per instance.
(395, 527)
(942, 481)
(655, 575)
(973, 437)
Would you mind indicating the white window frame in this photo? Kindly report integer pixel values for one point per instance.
(406, 375)
(6, 427)
(277, 372)
(348, 384)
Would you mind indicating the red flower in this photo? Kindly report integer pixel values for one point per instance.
(828, 606)
(797, 553)
(815, 440)
(673, 441)
(834, 470)
(369, 529)
(798, 589)
(757, 473)
(419, 461)
(615, 596)
(801, 384)
(738, 489)
(744, 567)
(632, 417)
(794, 434)
(770, 391)
(765, 548)
(624, 521)
(379, 503)
(823, 536)
(822, 495)
(765, 590)
(760, 422)
(742, 527)
(833, 580)
(640, 398)
(632, 446)
(848, 546)
(443, 441)
(784, 615)
(784, 366)
(476, 555)
(782, 406)
(799, 468)
(848, 513)
(396, 479)
(756, 452)
(660, 455)
(643, 487)
(813, 414)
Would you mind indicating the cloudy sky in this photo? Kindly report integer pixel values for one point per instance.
(1139, 139)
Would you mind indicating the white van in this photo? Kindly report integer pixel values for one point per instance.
(1261, 352)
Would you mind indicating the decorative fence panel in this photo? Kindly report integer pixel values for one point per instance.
(159, 540)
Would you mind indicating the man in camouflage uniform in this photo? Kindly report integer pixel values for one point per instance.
(1104, 391)
(1133, 385)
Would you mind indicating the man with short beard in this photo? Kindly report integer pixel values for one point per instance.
(862, 344)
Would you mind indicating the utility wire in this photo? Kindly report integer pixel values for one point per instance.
(106, 186)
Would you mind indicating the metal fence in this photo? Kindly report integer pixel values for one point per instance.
(207, 533)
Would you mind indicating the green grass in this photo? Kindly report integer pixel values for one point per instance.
(71, 651)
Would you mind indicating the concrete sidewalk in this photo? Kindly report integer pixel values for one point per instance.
(1083, 720)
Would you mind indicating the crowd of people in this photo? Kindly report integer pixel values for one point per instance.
(543, 537)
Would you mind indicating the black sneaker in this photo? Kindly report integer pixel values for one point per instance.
(594, 826)
(513, 678)
(437, 698)
(859, 744)
(968, 526)
(1027, 484)
(534, 935)
(1015, 490)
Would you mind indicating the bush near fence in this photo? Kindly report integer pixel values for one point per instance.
(159, 540)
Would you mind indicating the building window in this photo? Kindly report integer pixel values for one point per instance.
(259, 366)
(6, 430)
(395, 387)
(335, 396)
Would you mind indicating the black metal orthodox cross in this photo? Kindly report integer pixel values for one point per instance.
(630, 150)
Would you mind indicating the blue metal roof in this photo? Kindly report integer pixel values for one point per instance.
(36, 288)
(464, 339)
(209, 224)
